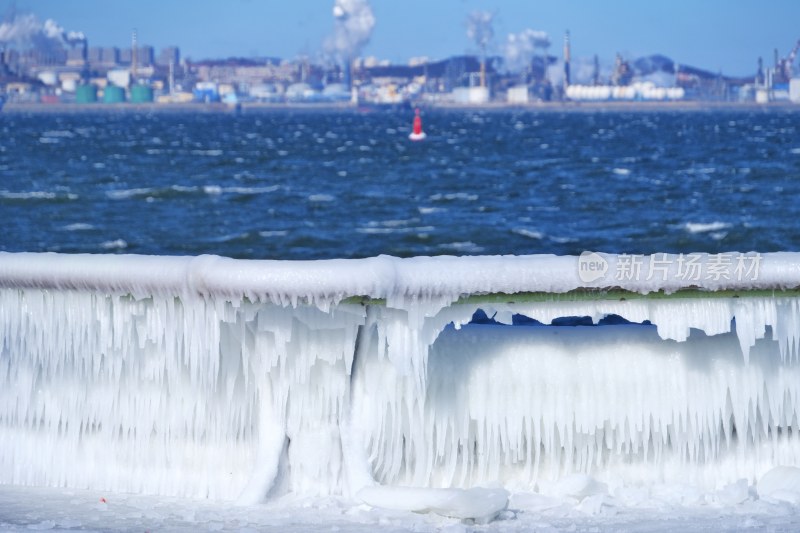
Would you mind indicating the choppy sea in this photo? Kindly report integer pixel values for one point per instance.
(303, 185)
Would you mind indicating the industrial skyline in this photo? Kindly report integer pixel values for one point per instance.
(720, 36)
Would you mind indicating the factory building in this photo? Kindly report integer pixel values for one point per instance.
(169, 55)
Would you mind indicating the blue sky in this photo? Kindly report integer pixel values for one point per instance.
(719, 35)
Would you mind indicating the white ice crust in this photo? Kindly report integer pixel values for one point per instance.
(218, 378)
(478, 504)
(329, 281)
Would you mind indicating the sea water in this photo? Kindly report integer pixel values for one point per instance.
(308, 185)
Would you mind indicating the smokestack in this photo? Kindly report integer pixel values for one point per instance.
(347, 75)
(133, 57)
(45, 39)
(760, 72)
(353, 24)
(172, 76)
(4, 68)
(596, 71)
(481, 30)
(85, 74)
(566, 59)
(520, 50)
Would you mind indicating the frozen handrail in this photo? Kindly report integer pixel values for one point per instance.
(532, 277)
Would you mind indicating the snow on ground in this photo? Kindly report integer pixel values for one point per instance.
(668, 508)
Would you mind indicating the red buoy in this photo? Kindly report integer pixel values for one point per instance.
(417, 134)
(417, 122)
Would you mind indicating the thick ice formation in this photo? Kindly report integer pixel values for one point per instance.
(781, 483)
(226, 379)
(476, 503)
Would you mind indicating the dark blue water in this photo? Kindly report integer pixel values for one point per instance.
(320, 185)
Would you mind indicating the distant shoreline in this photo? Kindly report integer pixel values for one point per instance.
(253, 107)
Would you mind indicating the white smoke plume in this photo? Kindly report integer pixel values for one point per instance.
(480, 28)
(521, 47)
(26, 31)
(52, 30)
(20, 29)
(582, 71)
(354, 22)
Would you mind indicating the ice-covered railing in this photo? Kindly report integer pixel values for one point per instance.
(213, 377)
(384, 277)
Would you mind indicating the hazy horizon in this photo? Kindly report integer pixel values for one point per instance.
(715, 35)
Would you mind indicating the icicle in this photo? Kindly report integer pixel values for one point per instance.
(607, 397)
(167, 395)
(216, 378)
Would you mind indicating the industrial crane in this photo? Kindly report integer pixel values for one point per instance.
(784, 67)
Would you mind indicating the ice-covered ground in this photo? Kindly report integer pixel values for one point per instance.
(663, 508)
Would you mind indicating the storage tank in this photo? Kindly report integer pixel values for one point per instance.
(69, 85)
(48, 77)
(141, 94)
(119, 77)
(86, 94)
(114, 95)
